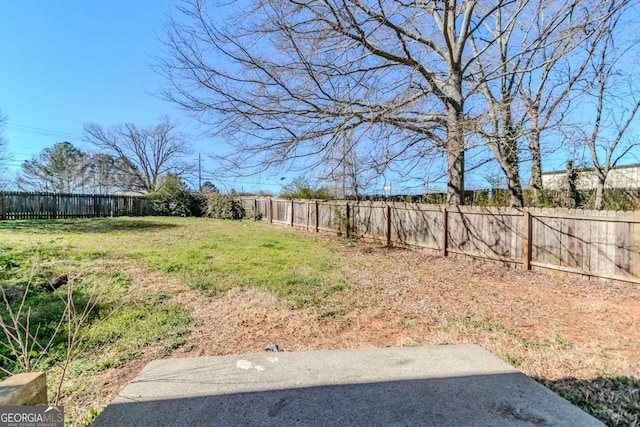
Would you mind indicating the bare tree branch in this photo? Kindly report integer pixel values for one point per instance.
(615, 108)
(280, 79)
(153, 151)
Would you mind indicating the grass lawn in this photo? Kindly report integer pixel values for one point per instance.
(180, 287)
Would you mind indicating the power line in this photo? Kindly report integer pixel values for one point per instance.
(40, 131)
(235, 182)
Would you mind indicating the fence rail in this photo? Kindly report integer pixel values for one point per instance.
(599, 244)
(17, 205)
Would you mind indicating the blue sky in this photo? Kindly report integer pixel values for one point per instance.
(67, 63)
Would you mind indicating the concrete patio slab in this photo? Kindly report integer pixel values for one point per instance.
(458, 385)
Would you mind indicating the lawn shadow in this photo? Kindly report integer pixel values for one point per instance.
(613, 400)
(85, 225)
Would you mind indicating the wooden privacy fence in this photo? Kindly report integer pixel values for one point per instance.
(14, 205)
(602, 244)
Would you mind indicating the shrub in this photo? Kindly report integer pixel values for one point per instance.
(299, 188)
(182, 204)
(173, 199)
(221, 206)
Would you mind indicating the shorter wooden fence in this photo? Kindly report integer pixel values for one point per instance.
(601, 244)
(16, 205)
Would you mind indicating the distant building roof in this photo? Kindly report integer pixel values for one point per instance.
(623, 176)
(588, 169)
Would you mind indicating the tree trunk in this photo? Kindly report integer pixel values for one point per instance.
(536, 160)
(512, 160)
(599, 203)
(513, 175)
(536, 167)
(455, 160)
(534, 150)
(455, 140)
(516, 199)
(572, 186)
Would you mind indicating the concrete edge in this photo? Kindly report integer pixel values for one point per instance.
(24, 389)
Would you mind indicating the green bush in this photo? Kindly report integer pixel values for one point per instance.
(183, 204)
(299, 188)
(221, 206)
(173, 199)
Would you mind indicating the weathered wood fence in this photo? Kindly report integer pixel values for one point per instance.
(16, 205)
(596, 244)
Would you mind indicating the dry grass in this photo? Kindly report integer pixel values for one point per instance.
(580, 338)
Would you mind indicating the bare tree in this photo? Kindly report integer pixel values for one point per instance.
(541, 51)
(282, 77)
(501, 128)
(296, 73)
(349, 170)
(613, 108)
(109, 175)
(549, 94)
(153, 151)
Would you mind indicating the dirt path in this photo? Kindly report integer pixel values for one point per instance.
(406, 298)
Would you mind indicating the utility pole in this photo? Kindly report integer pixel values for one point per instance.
(199, 172)
(344, 167)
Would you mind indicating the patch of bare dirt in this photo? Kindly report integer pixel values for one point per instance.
(550, 327)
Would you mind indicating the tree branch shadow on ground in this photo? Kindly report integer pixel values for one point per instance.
(89, 225)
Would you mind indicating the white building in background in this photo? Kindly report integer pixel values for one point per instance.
(627, 176)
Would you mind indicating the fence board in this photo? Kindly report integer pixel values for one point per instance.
(24, 206)
(574, 246)
(623, 249)
(368, 220)
(281, 211)
(332, 217)
(635, 247)
(416, 225)
(602, 246)
(589, 243)
(611, 246)
(300, 214)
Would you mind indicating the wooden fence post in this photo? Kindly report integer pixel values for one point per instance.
(3, 208)
(317, 217)
(270, 210)
(292, 210)
(255, 209)
(388, 225)
(45, 206)
(347, 214)
(526, 241)
(445, 226)
(56, 206)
